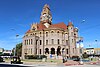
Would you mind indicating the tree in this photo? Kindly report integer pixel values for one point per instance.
(19, 49)
(85, 55)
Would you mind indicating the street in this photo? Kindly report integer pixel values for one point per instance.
(10, 65)
(44, 65)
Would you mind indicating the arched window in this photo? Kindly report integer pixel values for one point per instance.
(58, 50)
(52, 50)
(58, 32)
(46, 42)
(46, 50)
(30, 34)
(46, 34)
(58, 41)
(52, 31)
(52, 40)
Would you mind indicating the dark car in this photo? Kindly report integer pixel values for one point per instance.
(16, 60)
(1, 59)
(76, 59)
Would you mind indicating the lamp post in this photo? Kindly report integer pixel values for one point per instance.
(15, 46)
(97, 46)
(80, 46)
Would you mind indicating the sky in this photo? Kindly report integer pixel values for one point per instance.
(17, 15)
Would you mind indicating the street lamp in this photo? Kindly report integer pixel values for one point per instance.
(79, 45)
(15, 46)
(16, 42)
(97, 46)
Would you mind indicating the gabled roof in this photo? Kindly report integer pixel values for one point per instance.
(59, 25)
(70, 24)
(40, 26)
(28, 31)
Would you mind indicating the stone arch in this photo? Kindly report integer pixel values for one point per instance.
(52, 50)
(58, 50)
(46, 50)
(63, 49)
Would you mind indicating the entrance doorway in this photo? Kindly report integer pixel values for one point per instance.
(46, 51)
(58, 50)
(52, 50)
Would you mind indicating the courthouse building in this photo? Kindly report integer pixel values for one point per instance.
(46, 38)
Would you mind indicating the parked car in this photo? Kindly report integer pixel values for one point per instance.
(1, 59)
(16, 60)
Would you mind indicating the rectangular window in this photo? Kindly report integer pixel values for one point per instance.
(71, 33)
(52, 41)
(73, 50)
(58, 41)
(72, 40)
(40, 51)
(31, 41)
(40, 34)
(67, 51)
(25, 42)
(46, 42)
(66, 42)
(35, 34)
(62, 34)
(31, 50)
(40, 42)
(36, 42)
(46, 34)
(36, 50)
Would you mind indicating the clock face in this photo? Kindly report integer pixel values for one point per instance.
(44, 15)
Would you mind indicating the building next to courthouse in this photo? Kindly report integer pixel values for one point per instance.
(46, 38)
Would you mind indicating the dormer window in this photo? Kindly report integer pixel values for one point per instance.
(33, 28)
(52, 32)
(31, 34)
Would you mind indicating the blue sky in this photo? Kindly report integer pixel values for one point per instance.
(17, 15)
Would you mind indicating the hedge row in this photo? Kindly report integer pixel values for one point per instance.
(35, 56)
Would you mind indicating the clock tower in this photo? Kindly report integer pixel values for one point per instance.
(46, 17)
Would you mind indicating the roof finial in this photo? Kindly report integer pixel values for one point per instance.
(70, 23)
(69, 20)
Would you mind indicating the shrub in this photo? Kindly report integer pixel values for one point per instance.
(75, 57)
(85, 55)
(36, 56)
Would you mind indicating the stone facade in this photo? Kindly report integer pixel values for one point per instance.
(45, 38)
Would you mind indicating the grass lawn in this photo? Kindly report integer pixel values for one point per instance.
(48, 60)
